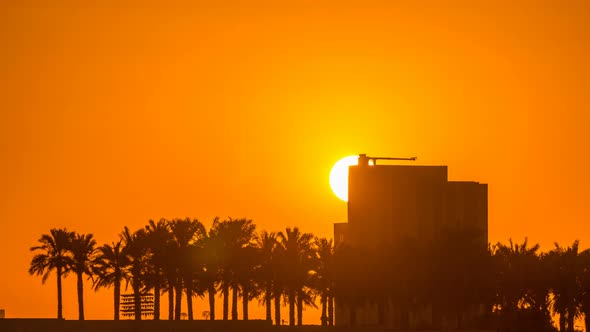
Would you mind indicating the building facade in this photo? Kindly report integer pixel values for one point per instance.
(393, 204)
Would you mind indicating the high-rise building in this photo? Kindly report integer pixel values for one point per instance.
(390, 204)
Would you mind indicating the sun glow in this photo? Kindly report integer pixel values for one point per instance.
(339, 176)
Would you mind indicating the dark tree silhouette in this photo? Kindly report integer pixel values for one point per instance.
(161, 261)
(188, 236)
(82, 247)
(233, 235)
(136, 250)
(209, 274)
(266, 246)
(297, 263)
(584, 295)
(246, 273)
(324, 279)
(54, 256)
(110, 268)
(279, 274)
(512, 286)
(565, 272)
(521, 302)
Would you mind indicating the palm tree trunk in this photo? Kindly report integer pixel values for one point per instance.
(117, 298)
(189, 297)
(324, 317)
(80, 286)
(330, 311)
(277, 308)
(178, 307)
(170, 300)
(234, 304)
(225, 301)
(562, 321)
(291, 308)
(211, 292)
(136, 298)
(587, 321)
(268, 296)
(245, 301)
(157, 302)
(59, 298)
(299, 309)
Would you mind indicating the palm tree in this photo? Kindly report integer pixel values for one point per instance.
(164, 263)
(515, 263)
(137, 254)
(233, 235)
(220, 239)
(53, 256)
(584, 296)
(305, 298)
(82, 248)
(219, 231)
(187, 235)
(171, 277)
(279, 277)
(519, 298)
(324, 279)
(245, 274)
(297, 262)
(266, 245)
(208, 274)
(567, 270)
(110, 268)
(159, 240)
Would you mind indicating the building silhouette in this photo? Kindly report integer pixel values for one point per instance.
(390, 204)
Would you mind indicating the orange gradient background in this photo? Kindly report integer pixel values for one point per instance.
(114, 114)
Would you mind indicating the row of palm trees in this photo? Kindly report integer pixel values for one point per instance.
(536, 285)
(184, 260)
(512, 286)
(509, 287)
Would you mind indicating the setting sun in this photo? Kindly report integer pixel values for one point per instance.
(339, 176)
(121, 119)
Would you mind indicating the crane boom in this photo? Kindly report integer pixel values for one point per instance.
(364, 159)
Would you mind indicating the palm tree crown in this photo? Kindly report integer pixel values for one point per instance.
(110, 269)
(54, 256)
(82, 248)
(297, 264)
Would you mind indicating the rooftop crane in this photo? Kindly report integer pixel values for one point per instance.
(365, 160)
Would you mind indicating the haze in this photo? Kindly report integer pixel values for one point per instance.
(114, 114)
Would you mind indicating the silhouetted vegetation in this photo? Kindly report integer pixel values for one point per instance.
(182, 259)
(512, 286)
(54, 256)
(509, 287)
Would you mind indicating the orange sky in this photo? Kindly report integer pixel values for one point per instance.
(114, 114)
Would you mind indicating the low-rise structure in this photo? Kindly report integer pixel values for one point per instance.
(393, 204)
